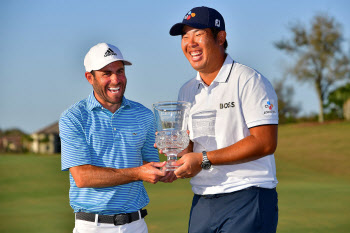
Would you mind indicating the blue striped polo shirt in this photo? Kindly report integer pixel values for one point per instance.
(91, 134)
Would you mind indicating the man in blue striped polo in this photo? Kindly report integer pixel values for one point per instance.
(107, 145)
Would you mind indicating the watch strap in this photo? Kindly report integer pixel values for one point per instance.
(206, 164)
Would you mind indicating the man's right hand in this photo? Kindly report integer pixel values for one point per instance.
(89, 176)
(152, 172)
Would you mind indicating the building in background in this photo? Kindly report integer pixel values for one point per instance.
(11, 143)
(47, 140)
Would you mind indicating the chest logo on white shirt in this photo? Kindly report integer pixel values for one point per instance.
(227, 105)
(269, 107)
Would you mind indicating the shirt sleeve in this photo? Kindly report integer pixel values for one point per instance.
(180, 96)
(259, 102)
(149, 152)
(74, 148)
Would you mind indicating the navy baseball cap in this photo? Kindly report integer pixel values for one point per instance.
(200, 17)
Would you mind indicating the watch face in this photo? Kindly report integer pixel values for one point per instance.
(206, 166)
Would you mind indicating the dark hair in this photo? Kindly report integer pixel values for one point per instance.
(93, 71)
(215, 33)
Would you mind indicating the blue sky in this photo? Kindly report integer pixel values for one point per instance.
(43, 44)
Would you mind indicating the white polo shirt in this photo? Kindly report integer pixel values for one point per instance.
(221, 114)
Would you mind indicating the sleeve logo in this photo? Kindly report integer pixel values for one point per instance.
(269, 107)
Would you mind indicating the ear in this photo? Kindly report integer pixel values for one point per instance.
(89, 77)
(221, 37)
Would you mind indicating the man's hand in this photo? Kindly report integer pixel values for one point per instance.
(169, 177)
(89, 176)
(152, 172)
(190, 165)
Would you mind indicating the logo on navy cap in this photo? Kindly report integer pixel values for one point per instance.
(189, 15)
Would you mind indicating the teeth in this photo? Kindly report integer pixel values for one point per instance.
(195, 53)
(114, 89)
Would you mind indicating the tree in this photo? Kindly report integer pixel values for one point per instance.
(287, 111)
(337, 99)
(319, 55)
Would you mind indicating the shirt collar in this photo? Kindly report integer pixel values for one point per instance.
(92, 102)
(223, 74)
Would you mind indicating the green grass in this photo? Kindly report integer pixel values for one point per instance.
(34, 195)
(314, 178)
(312, 169)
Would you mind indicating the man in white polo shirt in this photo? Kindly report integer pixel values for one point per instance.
(233, 129)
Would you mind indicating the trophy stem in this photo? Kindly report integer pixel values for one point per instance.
(171, 160)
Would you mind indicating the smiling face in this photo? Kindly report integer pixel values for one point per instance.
(205, 54)
(109, 85)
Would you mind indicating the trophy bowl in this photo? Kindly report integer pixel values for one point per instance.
(171, 122)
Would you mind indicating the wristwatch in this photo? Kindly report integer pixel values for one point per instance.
(206, 164)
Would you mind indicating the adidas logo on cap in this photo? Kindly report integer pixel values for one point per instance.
(110, 52)
(101, 55)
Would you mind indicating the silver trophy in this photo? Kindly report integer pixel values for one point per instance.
(171, 122)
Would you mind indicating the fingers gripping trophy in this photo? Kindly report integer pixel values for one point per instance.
(171, 122)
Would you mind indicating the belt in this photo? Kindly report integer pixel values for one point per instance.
(117, 219)
(212, 196)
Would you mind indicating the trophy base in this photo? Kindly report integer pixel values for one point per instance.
(171, 168)
(170, 164)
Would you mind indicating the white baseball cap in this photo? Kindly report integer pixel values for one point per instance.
(101, 55)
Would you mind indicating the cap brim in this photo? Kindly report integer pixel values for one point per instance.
(127, 63)
(100, 66)
(176, 30)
